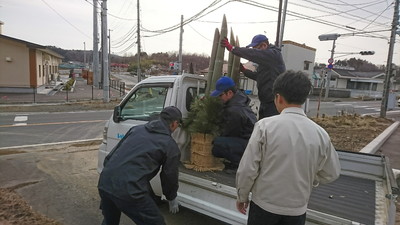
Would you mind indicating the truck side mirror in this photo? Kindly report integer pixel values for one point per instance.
(117, 114)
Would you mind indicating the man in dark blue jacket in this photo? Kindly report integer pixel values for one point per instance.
(237, 125)
(269, 63)
(124, 183)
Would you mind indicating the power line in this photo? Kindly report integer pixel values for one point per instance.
(198, 33)
(298, 15)
(80, 31)
(377, 17)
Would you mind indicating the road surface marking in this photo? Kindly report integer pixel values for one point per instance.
(20, 119)
(55, 123)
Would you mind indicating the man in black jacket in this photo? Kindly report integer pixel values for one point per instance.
(124, 183)
(269, 64)
(238, 122)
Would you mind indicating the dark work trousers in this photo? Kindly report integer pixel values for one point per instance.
(143, 211)
(258, 216)
(267, 109)
(230, 148)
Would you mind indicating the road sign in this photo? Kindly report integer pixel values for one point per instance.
(330, 66)
(330, 61)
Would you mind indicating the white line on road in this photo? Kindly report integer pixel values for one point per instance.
(20, 119)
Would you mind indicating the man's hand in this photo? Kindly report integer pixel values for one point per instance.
(242, 207)
(173, 206)
(225, 43)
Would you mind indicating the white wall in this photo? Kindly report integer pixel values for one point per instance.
(295, 54)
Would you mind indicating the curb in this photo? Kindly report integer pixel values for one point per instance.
(375, 144)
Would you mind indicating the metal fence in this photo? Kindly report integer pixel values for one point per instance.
(81, 91)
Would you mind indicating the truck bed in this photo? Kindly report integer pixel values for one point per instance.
(351, 197)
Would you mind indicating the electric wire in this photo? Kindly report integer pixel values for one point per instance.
(199, 33)
(302, 16)
(76, 28)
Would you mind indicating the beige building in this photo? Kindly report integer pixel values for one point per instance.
(25, 65)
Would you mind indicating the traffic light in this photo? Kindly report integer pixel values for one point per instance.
(367, 52)
(171, 65)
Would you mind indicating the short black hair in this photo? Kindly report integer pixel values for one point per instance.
(233, 89)
(293, 86)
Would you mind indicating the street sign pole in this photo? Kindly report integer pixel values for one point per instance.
(328, 77)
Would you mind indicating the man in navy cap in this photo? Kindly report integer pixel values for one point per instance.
(238, 122)
(269, 64)
(124, 183)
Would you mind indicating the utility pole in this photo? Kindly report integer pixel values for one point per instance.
(282, 24)
(386, 87)
(329, 37)
(106, 94)
(95, 47)
(84, 54)
(109, 50)
(139, 76)
(278, 25)
(180, 46)
(329, 75)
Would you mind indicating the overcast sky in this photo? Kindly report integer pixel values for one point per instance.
(69, 23)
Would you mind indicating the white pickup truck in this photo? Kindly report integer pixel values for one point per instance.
(365, 193)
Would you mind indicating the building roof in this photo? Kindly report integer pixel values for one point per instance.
(299, 45)
(33, 45)
(358, 74)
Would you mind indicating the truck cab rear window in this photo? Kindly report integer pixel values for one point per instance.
(145, 103)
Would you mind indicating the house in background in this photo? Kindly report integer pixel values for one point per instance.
(25, 65)
(359, 83)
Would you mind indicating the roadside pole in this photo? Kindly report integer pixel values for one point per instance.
(106, 94)
(180, 47)
(95, 47)
(385, 94)
(329, 75)
(139, 76)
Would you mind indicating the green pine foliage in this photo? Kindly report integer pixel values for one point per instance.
(205, 116)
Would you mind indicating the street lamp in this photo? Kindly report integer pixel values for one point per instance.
(329, 37)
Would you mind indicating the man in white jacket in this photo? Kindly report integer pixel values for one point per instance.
(286, 156)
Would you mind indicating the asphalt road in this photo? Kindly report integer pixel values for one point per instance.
(36, 128)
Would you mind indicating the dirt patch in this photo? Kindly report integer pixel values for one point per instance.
(353, 132)
(15, 211)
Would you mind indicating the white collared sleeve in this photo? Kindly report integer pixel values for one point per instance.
(329, 168)
(249, 165)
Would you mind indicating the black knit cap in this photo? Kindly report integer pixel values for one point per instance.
(171, 113)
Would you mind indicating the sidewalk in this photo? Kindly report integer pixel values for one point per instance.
(391, 147)
(81, 92)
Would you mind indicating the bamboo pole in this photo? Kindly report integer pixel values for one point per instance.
(219, 59)
(236, 66)
(212, 61)
(230, 58)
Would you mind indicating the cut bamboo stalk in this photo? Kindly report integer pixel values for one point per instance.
(236, 66)
(219, 59)
(212, 61)
(230, 57)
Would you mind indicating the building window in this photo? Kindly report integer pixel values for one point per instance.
(40, 71)
(307, 65)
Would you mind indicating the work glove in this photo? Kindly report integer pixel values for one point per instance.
(225, 43)
(242, 68)
(173, 206)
